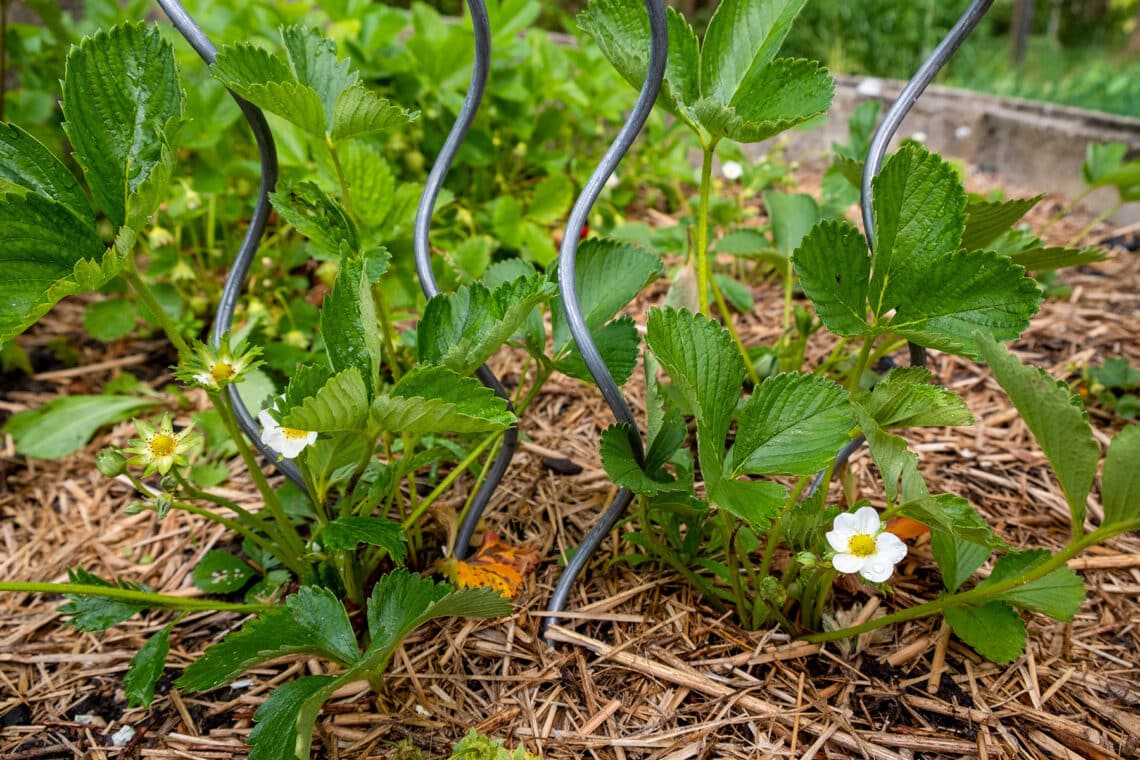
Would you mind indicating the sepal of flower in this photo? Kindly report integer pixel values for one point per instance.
(159, 448)
(862, 546)
(286, 441)
(214, 368)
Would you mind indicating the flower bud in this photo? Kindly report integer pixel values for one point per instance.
(111, 462)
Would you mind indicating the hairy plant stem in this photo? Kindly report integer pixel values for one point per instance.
(130, 273)
(706, 589)
(703, 228)
(856, 377)
(413, 517)
(1080, 236)
(150, 599)
(1064, 210)
(728, 537)
(986, 593)
(727, 315)
(290, 538)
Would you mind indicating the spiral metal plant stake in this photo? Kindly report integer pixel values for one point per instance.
(421, 241)
(235, 280)
(892, 120)
(655, 73)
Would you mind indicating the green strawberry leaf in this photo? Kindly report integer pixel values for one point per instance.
(340, 405)
(316, 216)
(146, 668)
(995, 630)
(26, 165)
(1056, 419)
(220, 572)
(618, 343)
(792, 424)
(349, 532)
(1120, 483)
(833, 265)
(953, 516)
(957, 559)
(437, 400)
(755, 502)
(905, 398)
(285, 720)
(64, 425)
(122, 103)
(622, 467)
(1058, 594)
(986, 221)
(95, 613)
(743, 37)
(348, 323)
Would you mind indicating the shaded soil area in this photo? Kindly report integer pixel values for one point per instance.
(646, 669)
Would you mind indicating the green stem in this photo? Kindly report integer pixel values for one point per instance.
(340, 176)
(248, 518)
(1065, 210)
(983, 593)
(143, 291)
(723, 306)
(1092, 225)
(290, 538)
(444, 484)
(860, 365)
(147, 598)
(386, 332)
(540, 379)
(706, 589)
(703, 228)
(727, 532)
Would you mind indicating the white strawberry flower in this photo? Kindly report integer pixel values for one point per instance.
(286, 441)
(731, 170)
(862, 546)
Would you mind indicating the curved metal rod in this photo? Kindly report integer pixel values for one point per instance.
(655, 72)
(421, 241)
(892, 120)
(235, 280)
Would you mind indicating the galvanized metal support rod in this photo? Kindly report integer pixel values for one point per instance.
(877, 151)
(422, 243)
(235, 280)
(655, 72)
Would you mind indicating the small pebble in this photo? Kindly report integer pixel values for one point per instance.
(241, 683)
(121, 737)
(86, 719)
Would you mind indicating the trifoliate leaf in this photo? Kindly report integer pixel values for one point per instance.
(146, 668)
(995, 630)
(220, 572)
(772, 99)
(1120, 483)
(340, 405)
(833, 265)
(1054, 416)
(705, 367)
(905, 398)
(437, 400)
(979, 291)
(792, 424)
(1058, 594)
(122, 102)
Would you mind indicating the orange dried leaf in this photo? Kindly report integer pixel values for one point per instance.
(905, 528)
(495, 564)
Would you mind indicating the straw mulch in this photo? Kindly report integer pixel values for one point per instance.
(646, 670)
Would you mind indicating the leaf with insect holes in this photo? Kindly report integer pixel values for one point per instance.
(437, 400)
(316, 216)
(146, 668)
(495, 564)
(986, 221)
(978, 293)
(1056, 419)
(95, 613)
(705, 367)
(832, 264)
(792, 424)
(995, 630)
(461, 330)
(27, 166)
(220, 572)
(1058, 594)
(348, 323)
(341, 404)
(1120, 483)
(122, 105)
(905, 398)
(920, 210)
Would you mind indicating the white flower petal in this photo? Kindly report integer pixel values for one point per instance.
(890, 547)
(847, 524)
(731, 170)
(867, 521)
(838, 539)
(877, 569)
(848, 563)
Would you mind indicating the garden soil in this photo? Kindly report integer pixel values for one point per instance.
(643, 669)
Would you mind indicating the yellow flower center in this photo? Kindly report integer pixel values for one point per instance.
(293, 434)
(162, 445)
(861, 545)
(221, 371)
